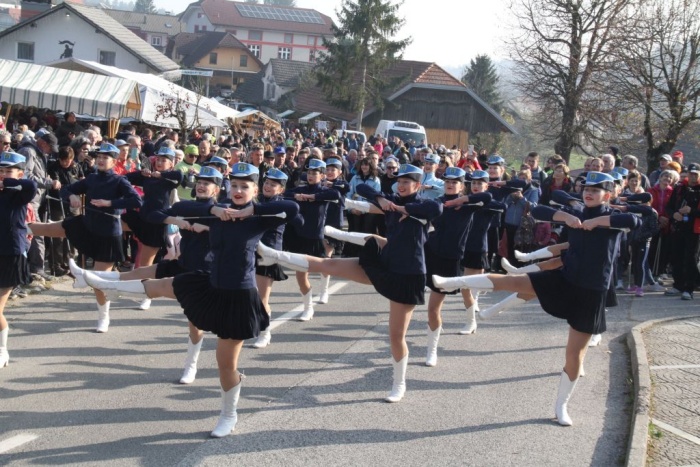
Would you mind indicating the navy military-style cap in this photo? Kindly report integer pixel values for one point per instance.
(432, 158)
(480, 175)
(215, 160)
(410, 171)
(12, 159)
(622, 171)
(317, 164)
(109, 149)
(276, 175)
(244, 171)
(334, 161)
(454, 173)
(496, 160)
(599, 180)
(165, 151)
(211, 174)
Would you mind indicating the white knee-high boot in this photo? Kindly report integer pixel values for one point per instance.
(509, 302)
(190, 371)
(470, 327)
(293, 261)
(4, 354)
(229, 416)
(78, 274)
(308, 312)
(399, 386)
(103, 317)
(542, 253)
(433, 339)
(356, 238)
(510, 269)
(325, 281)
(116, 289)
(477, 282)
(566, 388)
(263, 339)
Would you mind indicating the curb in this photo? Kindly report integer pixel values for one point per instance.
(639, 431)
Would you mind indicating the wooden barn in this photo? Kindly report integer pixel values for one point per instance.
(430, 96)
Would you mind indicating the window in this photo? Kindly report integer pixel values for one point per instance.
(255, 50)
(244, 60)
(212, 58)
(199, 15)
(108, 58)
(288, 38)
(25, 51)
(285, 53)
(312, 55)
(203, 28)
(254, 35)
(196, 28)
(311, 40)
(156, 41)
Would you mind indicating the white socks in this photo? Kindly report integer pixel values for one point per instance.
(190, 372)
(229, 416)
(399, 387)
(4, 355)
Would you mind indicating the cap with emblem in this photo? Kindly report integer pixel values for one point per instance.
(165, 151)
(276, 175)
(410, 171)
(599, 180)
(215, 160)
(454, 173)
(480, 175)
(622, 171)
(12, 159)
(109, 149)
(244, 171)
(317, 164)
(432, 159)
(496, 160)
(211, 174)
(334, 161)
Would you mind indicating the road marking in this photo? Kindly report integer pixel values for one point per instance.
(16, 441)
(294, 312)
(672, 367)
(692, 323)
(676, 431)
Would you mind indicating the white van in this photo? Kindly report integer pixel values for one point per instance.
(405, 131)
(359, 136)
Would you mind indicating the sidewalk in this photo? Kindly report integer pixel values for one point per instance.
(666, 366)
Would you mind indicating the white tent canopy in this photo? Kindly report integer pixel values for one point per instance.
(311, 116)
(156, 91)
(85, 93)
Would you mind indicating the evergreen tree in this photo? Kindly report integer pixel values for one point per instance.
(350, 72)
(144, 6)
(481, 77)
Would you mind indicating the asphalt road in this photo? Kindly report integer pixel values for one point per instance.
(314, 396)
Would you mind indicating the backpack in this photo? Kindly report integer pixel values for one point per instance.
(524, 239)
(650, 227)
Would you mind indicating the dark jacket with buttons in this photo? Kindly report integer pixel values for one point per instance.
(313, 212)
(273, 237)
(589, 261)
(449, 238)
(335, 217)
(484, 219)
(14, 197)
(104, 185)
(403, 253)
(194, 247)
(233, 243)
(156, 191)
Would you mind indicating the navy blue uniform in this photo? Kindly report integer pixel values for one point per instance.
(334, 216)
(449, 239)
(313, 212)
(14, 197)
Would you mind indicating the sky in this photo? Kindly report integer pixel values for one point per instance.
(448, 32)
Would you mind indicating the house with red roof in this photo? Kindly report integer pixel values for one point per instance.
(268, 31)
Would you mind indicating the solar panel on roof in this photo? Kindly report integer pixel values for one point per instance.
(280, 14)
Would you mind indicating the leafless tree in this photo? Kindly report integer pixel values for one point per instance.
(657, 74)
(561, 48)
